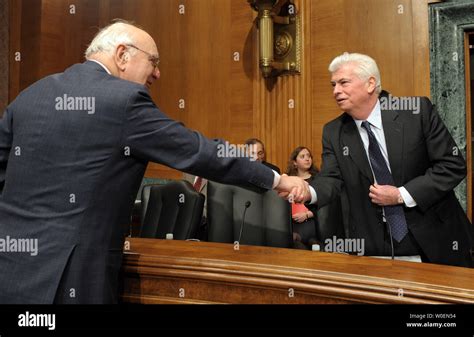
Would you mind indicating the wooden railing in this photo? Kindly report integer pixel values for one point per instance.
(170, 271)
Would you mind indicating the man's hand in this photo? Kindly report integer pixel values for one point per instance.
(300, 217)
(293, 188)
(384, 195)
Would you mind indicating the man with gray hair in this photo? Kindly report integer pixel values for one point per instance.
(398, 167)
(71, 171)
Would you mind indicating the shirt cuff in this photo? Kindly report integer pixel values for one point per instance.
(276, 179)
(407, 198)
(314, 196)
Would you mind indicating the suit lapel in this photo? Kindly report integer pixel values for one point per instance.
(393, 131)
(352, 142)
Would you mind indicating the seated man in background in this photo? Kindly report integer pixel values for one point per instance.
(74, 147)
(257, 151)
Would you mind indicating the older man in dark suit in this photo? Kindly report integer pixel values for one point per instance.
(399, 166)
(73, 150)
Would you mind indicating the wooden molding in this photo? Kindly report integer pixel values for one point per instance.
(164, 271)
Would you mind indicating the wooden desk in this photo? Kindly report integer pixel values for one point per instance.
(171, 271)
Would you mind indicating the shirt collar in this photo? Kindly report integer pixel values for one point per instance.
(102, 65)
(375, 117)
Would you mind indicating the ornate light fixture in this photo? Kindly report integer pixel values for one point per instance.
(279, 38)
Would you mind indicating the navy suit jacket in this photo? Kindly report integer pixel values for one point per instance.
(71, 176)
(424, 159)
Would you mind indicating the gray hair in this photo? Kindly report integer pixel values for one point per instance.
(109, 37)
(365, 67)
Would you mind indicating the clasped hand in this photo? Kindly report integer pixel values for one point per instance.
(293, 189)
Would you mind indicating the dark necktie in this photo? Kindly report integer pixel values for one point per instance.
(393, 214)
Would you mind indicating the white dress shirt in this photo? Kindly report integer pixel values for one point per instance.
(375, 120)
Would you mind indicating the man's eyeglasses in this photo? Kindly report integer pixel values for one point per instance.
(155, 60)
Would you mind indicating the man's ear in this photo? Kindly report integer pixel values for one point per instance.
(371, 84)
(121, 57)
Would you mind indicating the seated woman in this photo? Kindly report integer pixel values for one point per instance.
(304, 220)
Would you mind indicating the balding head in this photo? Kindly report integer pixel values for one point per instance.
(127, 51)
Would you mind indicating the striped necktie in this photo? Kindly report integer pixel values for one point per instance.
(393, 214)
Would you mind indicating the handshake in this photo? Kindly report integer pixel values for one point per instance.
(293, 189)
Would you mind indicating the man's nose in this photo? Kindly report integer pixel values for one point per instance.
(336, 90)
(156, 73)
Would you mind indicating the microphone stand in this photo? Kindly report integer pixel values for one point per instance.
(247, 205)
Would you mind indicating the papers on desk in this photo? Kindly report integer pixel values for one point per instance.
(415, 258)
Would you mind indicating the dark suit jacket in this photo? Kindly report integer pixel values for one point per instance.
(423, 158)
(70, 180)
(273, 167)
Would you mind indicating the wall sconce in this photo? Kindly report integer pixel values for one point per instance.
(279, 39)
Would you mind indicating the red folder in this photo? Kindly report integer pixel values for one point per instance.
(298, 208)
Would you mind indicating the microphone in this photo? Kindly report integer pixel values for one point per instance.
(247, 205)
(391, 239)
(389, 230)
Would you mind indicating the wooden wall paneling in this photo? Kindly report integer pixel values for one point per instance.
(201, 70)
(241, 72)
(66, 32)
(30, 43)
(104, 12)
(421, 50)
(49, 38)
(207, 62)
(4, 54)
(14, 10)
(121, 9)
(305, 83)
(327, 36)
(386, 36)
(55, 30)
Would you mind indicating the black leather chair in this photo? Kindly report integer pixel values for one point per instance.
(144, 199)
(267, 220)
(331, 220)
(171, 208)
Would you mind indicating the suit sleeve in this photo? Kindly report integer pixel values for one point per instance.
(328, 183)
(5, 144)
(151, 135)
(447, 166)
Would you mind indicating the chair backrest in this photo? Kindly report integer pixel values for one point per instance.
(171, 208)
(331, 220)
(267, 220)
